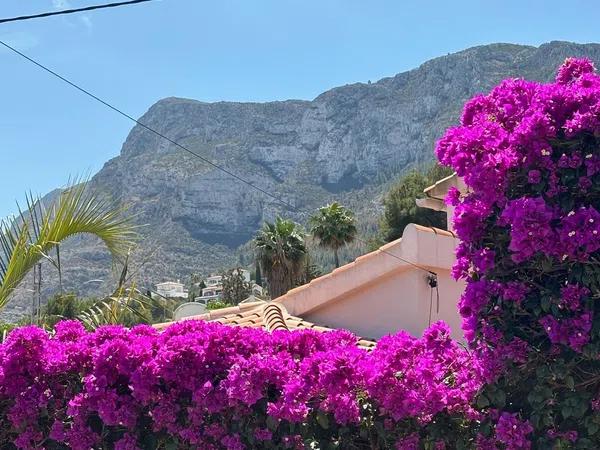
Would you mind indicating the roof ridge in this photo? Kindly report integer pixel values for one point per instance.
(274, 317)
(358, 260)
(435, 230)
(271, 317)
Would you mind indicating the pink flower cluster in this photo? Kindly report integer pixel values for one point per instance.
(204, 385)
(529, 226)
(525, 151)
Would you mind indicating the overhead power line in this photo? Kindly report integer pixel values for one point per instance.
(141, 124)
(182, 147)
(72, 11)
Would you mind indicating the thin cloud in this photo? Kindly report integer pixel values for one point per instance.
(87, 22)
(84, 19)
(61, 4)
(20, 40)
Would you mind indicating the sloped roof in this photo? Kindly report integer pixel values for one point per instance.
(413, 249)
(269, 316)
(439, 189)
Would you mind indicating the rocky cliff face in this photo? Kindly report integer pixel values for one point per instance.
(345, 144)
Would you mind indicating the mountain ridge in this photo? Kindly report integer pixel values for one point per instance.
(345, 144)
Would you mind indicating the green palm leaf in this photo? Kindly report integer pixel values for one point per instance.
(31, 237)
(126, 306)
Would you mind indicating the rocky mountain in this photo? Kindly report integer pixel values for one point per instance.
(346, 144)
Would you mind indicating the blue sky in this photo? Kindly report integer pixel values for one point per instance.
(222, 50)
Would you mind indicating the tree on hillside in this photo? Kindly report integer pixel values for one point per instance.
(235, 287)
(400, 206)
(195, 286)
(333, 226)
(26, 241)
(257, 275)
(311, 271)
(281, 252)
(65, 306)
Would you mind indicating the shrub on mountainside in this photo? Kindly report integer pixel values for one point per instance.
(400, 206)
(530, 253)
(235, 287)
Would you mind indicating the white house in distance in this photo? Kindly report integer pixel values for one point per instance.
(171, 289)
(210, 293)
(215, 280)
(379, 293)
(212, 290)
(214, 287)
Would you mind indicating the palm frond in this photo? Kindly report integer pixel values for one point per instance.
(126, 306)
(30, 238)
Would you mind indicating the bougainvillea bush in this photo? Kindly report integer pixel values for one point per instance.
(530, 253)
(201, 385)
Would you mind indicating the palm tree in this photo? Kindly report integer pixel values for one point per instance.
(333, 226)
(281, 251)
(29, 239)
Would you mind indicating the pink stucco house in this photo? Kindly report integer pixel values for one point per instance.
(379, 293)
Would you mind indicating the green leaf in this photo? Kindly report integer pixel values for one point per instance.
(547, 264)
(500, 399)
(570, 382)
(272, 423)
(323, 420)
(172, 445)
(482, 401)
(150, 442)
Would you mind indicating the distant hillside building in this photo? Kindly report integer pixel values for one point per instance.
(171, 289)
(210, 293)
(214, 287)
(214, 280)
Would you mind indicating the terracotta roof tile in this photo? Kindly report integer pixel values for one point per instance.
(269, 316)
(274, 318)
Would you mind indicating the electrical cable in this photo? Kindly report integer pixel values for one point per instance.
(72, 11)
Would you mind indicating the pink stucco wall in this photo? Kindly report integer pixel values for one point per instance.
(379, 294)
(400, 301)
